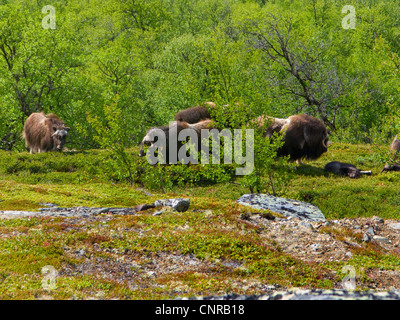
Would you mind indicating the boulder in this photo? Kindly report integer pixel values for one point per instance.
(179, 204)
(286, 207)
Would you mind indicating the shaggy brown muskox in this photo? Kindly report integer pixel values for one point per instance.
(304, 136)
(395, 146)
(195, 114)
(44, 133)
(172, 132)
(345, 169)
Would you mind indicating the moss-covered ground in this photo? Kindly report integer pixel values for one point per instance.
(112, 256)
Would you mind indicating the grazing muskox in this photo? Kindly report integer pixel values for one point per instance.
(304, 136)
(172, 132)
(44, 133)
(345, 169)
(195, 114)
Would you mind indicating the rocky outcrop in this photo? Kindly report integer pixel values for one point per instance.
(286, 207)
(313, 294)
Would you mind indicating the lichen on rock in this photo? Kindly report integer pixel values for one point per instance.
(286, 207)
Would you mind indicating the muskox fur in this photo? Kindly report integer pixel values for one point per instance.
(43, 133)
(395, 146)
(195, 114)
(393, 167)
(345, 169)
(176, 129)
(305, 137)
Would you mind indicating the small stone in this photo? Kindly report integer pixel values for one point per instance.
(158, 213)
(370, 231)
(306, 226)
(208, 213)
(366, 237)
(381, 239)
(376, 219)
(394, 226)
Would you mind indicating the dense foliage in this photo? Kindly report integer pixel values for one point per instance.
(278, 57)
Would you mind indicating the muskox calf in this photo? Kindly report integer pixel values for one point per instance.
(305, 137)
(345, 169)
(195, 114)
(43, 133)
(393, 167)
(172, 132)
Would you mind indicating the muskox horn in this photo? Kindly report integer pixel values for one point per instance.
(325, 143)
(60, 133)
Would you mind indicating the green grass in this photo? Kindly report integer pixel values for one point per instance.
(216, 236)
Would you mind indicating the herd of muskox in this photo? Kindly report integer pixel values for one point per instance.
(305, 137)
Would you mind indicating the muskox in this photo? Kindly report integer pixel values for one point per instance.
(305, 137)
(345, 169)
(393, 167)
(172, 131)
(43, 133)
(195, 114)
(395, 146)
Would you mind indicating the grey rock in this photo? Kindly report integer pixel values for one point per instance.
(394, 226)
(306, 226)
(366, 237)
(376, 219)
(286, 207)
(381, 239)
(66, 212)
(179, 204)
(311, 294)
(370, 231)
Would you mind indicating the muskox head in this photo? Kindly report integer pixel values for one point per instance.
(59, 137)
(169, 132)
(176, 134)
(304, 136)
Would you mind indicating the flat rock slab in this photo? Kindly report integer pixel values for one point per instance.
(312, 294)
(65, 212)
(286, 207)
(178, 204)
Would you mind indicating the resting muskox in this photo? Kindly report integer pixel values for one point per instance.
(304, 136)
(345, 169)
(195, 114)
(44, 133)
(172, 131)
(393, 167)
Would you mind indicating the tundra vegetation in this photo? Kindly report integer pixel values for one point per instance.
(113, 69)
